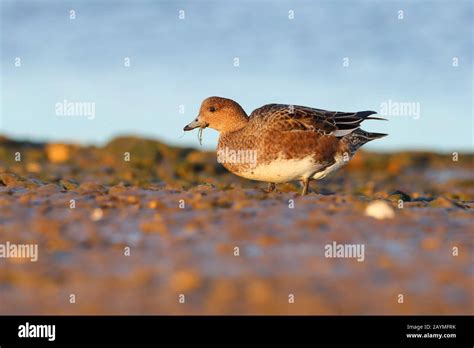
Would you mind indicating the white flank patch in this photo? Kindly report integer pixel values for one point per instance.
(338, 164)
(283, 170)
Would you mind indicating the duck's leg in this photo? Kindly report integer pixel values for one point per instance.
(305, 182)
(271, 187)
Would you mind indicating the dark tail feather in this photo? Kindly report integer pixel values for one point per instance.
(376, 118)
(366, 115)
(373, 136)
(348, 122)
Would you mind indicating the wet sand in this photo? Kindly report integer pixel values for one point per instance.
(130, 237)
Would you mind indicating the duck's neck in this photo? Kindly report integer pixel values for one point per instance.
(236, 120)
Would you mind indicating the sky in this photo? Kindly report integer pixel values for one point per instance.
(143, 67)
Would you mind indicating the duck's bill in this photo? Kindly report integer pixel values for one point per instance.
(195, 124)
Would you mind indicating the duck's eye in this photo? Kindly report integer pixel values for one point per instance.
(212, 109)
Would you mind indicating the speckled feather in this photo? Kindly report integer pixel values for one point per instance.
(278, 131)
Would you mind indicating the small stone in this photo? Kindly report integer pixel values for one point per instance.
(92, 187)
(15, 181)
(397, 195)
(69, 184)
(97, 214)
(380, 210)
(9, 179)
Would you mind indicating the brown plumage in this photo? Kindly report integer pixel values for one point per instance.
(280, 143)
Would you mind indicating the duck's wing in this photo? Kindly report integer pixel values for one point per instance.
(301, 118)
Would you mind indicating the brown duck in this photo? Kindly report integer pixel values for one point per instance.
(281, 143)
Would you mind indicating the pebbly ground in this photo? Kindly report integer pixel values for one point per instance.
(178, 235)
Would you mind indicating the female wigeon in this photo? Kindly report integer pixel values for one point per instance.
(280, 143)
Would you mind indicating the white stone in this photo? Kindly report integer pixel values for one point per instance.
(380, 210)
(97, 214)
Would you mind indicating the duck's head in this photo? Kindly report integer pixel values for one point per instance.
(221, 114)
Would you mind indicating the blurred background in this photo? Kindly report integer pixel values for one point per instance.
(86, 185)
(147, 65)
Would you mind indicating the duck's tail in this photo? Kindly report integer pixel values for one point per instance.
(360, 137)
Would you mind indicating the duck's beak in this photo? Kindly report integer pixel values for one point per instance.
(195, 124)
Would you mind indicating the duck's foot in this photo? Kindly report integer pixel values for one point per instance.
(270, 188)
(305, 186)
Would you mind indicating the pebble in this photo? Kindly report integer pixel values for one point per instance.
(397, 195)
(97, 214)
(9, 179)
(69, 184)
(91, 187)
(380, 210)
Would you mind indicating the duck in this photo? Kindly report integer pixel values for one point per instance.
(280, 143)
